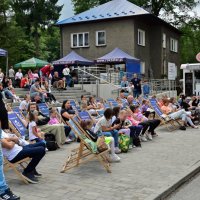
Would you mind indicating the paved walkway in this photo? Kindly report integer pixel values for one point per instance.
(140, 175)
(190, 191)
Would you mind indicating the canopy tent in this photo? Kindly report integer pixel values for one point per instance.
(117, 56)
(4, 53)
(32, 62)
(73, 59)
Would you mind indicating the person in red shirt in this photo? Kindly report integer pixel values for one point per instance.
(46, 71)
(25, 82)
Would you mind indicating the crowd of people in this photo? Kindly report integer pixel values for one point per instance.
(130, 115)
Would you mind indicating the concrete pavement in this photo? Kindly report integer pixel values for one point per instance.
(142, 174)
(189, 191)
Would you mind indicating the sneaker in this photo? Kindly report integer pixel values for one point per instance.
(149, 136)
(30, 178)
(143, 138)
(8, 195)
(68, 141)
(196, 127)
(114, 158)
(36, 174)
(117, 150)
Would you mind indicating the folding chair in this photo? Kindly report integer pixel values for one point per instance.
(84, 115)
(106, 105)
(84, 153)
(19, 113)
(16, 167)
(16, 125)
(100, 112)
(44, 109)
(166, 120)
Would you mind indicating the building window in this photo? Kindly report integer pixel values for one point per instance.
(173, 45)
(141, 37)
(79, 40)
(142, 68)
(164, 40)
(100, 38)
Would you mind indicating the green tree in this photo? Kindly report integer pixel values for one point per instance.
(155, 6)
(190, 41)
(35, 17)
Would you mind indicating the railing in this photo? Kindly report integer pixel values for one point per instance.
(101, 75)
(87, 78)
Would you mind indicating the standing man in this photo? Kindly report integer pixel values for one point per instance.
(18, 77)
(137, 86)
(45, 72)
(66, 73)
(11, 74)
(5, 192)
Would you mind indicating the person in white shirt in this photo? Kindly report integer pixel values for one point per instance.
(18, 77)
(1, 75)
(14, 152)
(11, 74)
(34, 133)
(66, 73)
(104, 127)
(24, 104)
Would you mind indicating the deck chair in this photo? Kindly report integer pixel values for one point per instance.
(172, 124)
(106, 105)
(16, 167)
(19, 113)
(84, 115)
(44, 109)
(100, 112)
(84, 153)
(16, 125)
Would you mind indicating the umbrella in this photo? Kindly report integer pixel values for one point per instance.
(32, 62)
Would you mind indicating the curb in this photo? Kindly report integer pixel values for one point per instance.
(164, 192)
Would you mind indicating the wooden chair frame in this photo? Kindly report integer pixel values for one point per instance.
(15, 167)
(172, 124)
(83, 153)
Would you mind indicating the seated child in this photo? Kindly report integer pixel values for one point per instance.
(54, 120)
(87, 125)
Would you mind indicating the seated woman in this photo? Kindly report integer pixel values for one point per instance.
(104, 126)
(14, 152)
(177, 113)
(87, 126)
(145, 125)
(25, 83)
(93, 106)
(153, 124)
(66, 111)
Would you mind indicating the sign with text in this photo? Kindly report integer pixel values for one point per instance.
(172, 71)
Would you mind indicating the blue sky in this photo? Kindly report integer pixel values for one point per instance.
(68, 9)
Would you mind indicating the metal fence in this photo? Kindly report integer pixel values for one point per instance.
(101, 75)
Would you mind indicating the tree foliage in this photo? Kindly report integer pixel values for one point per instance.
(154, 6)
(27, 29)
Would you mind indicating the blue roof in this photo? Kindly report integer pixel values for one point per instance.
(112, 9)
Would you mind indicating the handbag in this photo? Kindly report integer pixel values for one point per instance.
(101, 145)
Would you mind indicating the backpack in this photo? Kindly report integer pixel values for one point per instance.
(51, 143)
(124, 142)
